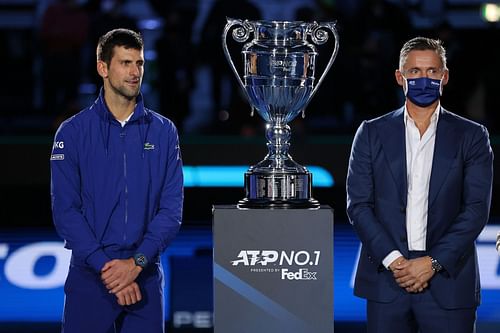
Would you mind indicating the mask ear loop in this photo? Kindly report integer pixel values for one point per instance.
(405, 85)
(441, 83)
(441, 86)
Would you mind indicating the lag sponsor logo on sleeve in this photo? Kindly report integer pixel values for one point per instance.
(57, 145)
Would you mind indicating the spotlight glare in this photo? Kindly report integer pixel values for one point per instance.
(490, 12)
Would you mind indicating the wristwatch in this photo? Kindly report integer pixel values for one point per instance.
(436, 266)
(140, 260)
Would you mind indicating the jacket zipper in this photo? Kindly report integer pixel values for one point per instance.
(126, 189)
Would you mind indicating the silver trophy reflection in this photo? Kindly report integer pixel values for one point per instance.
(279, 66)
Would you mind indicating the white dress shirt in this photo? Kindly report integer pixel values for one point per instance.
(419, 156)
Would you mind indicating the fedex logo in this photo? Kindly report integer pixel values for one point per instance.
(301, 274)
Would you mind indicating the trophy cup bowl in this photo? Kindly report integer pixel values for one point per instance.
(279, 82)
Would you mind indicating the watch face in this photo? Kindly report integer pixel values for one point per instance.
(140, 260)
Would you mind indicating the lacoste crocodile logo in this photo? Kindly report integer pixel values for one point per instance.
(149, 146)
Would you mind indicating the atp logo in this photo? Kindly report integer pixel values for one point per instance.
(265, 257)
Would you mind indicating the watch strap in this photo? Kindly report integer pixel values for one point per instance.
(436, 266)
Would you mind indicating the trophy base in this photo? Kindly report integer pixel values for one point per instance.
(278, 204)
(278, 190)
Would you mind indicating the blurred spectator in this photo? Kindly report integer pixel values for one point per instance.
(326, 111)
(458, 90)
(381, 27)
(361, 82)
(63, 33)
(105, 15)
(359, 85)
(175, 59)
(306, 14)
(488, 56)
(16, 90)
(211, 54)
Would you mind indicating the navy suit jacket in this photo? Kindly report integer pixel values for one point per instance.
(458, 208)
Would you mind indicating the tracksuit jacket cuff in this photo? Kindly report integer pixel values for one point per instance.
(97, 260)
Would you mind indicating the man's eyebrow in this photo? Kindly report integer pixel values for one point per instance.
(420, 67)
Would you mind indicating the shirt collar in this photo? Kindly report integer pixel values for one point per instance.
(434, 117)
(123, 122)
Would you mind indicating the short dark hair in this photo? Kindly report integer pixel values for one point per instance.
(117, 37)
(422, 44)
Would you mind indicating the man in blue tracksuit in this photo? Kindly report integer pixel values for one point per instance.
(117, 192)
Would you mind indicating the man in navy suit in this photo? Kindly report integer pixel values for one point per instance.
(418, 195)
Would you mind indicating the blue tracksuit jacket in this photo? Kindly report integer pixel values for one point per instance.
(116, 190)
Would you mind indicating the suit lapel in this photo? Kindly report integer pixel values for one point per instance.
(392, 137)
(445, 150)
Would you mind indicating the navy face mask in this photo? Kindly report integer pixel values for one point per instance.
(423, 91)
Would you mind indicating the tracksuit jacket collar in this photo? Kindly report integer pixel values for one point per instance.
(141, 114)
(106, 115)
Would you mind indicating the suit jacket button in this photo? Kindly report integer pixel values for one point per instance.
(402, 209)
(403, 239)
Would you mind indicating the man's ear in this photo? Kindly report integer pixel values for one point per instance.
(446, 76)
(399, 77)
(102, 69)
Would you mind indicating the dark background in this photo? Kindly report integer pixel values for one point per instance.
(48, 52)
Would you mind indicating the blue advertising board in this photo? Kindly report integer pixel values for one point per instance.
(33, 269)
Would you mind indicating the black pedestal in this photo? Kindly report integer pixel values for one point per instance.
(273, 270)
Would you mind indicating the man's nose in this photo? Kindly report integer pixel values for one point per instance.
(135, 70)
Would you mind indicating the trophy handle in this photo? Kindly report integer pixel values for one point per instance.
(320, 36)
(240, 34)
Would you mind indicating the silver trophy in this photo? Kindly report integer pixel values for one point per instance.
(279, 81)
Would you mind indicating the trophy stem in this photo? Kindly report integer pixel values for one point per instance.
(278, 181)
(278, 137)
